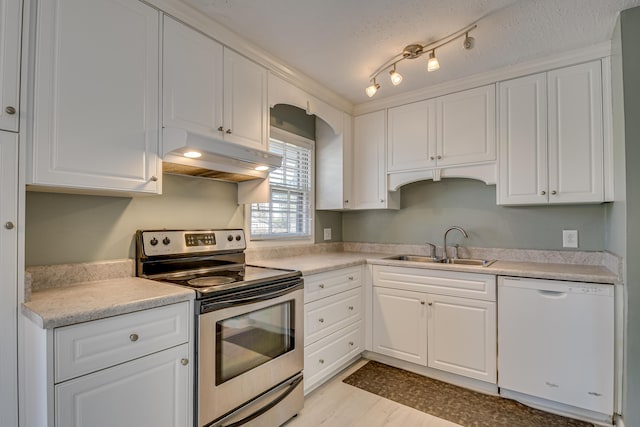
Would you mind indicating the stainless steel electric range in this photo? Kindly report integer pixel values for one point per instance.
(248, 325)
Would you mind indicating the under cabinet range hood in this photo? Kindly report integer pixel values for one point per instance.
(187, 153)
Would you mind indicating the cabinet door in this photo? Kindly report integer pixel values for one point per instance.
(467, 126)
(523, 141)
(576, 139)
(96, 96)
(192, 80)
(246, 113)
(411, 136)
(150, 391)
(462, 337)
(400, 324)
(369, 177)
(10, 19)
(8, 279)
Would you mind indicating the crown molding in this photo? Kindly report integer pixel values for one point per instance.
(211, 28)
(563, 59)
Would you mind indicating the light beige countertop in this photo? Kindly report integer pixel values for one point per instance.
(86, 301)
(317, 263)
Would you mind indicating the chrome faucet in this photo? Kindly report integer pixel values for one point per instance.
(455, 227)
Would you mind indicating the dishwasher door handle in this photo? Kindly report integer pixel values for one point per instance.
(552, 294)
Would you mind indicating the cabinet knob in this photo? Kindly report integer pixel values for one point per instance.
(432, 158)
(321, 320)
(184, 361)
(351, 343)
(134, 337)
(154, 178)
(422, 302)
(220, 128)
(430, 304)
(346, 201)
(351, 308)
(229, 131)
(542, 193)
(554, 192)
(439, 157)
(321, 361)
(381, 200)
(9, 225)
(321, 285)
(10, 110)
(350, 277)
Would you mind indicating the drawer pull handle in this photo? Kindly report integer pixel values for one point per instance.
(321, 320)
(321, 360)
(351, 343)
(321, 285)
(350, 277)
(184, 361)
(351, 307)
(134, 337)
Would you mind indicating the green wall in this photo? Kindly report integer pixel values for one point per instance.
(67, 228)
(428, 208)
(630, 35)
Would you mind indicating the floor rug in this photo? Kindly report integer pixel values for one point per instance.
(456, 404)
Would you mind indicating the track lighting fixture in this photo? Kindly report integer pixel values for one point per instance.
(414, 51)
(396, 77)
(371, 90)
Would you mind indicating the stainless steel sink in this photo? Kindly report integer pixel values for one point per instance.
(469, 261)
(414, 258)
(427, 259)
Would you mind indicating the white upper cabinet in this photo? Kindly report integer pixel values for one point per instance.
(451, 130)
(211, 90)
(552, 138)
(191, 80)
(96, 103)
(246, 112)
(334, 153)
(466, 127)
(411, 133)
(369, 163)
(10, 19)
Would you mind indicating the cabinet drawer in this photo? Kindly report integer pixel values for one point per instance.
(90, 346)
(330, 314)
(452, 283)
(322, 285)
(327, 356)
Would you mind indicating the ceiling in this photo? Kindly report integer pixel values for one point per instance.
(340, 43)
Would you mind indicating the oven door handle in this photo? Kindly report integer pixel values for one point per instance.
(266, 407)
(262, 297)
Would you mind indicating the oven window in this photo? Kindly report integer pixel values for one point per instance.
(249, 340)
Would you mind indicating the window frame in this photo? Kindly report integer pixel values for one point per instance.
(282, 240)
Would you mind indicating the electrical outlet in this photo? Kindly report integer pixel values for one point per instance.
(327, 234)
(569, 238)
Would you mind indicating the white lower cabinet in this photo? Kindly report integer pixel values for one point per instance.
(333, 323)
(441, 319)
(129, 370)
(150, 391)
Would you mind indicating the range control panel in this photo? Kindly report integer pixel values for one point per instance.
(172, 242)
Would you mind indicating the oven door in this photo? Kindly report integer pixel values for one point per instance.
(247, 348)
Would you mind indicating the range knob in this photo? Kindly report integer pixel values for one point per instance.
(153, 241)
(238, 237)
(166, 241)
(230, 238)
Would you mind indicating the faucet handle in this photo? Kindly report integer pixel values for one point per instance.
(433, 249)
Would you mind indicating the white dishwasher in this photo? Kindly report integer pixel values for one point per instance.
(555, 341)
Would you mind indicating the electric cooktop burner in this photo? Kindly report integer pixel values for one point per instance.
(205, 282)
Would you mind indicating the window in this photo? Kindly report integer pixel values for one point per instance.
(288, 215)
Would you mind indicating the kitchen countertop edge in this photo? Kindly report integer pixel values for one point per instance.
(87, 301)
(319, 263)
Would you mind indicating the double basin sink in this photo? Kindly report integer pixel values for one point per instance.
(459, 261)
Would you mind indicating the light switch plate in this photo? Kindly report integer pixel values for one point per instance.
(569, 238)
(327, 234)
